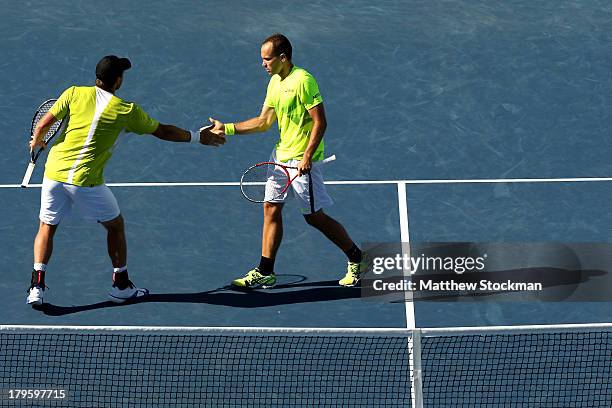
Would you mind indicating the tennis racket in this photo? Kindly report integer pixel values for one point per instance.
(254, 182)
(55, 129)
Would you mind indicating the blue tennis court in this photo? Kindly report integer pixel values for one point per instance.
(414, 90)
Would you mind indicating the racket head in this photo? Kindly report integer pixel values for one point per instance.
(265, 182)
(55, 129)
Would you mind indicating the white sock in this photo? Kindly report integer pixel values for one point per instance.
(40, 267)
(119, 270)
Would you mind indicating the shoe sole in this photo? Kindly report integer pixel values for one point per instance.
(351, 285)
(261, 286)
(257, 286)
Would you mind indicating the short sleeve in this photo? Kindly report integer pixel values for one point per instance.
(309, 93)
(140, 122)
(61, 106)
(271, 94)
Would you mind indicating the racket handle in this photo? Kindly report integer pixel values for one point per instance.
(329, 159)
(28, 175)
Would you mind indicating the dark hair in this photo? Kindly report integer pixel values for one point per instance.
(111, 67)
(280, 44)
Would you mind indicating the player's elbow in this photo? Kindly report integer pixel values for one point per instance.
(162, 132)
(264, 125)
(321, 125)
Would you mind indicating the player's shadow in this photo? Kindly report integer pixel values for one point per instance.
(297, 291)
(294, 289)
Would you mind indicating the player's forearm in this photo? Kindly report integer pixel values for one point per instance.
(43, 126)
(175, 134)
(253, 125)
(172, 133)
(39, 132)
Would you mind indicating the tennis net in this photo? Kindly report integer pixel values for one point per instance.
(569, 366)
(149, 367)
(530, 366)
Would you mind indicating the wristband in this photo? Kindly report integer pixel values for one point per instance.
(195, 136)
(229, 129)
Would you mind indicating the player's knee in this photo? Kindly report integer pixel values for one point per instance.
(315, 219)
(114, 225)
(46, 229)
(272, 210)
(309, 220)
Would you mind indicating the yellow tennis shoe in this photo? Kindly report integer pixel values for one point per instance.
(255, 279)
(354, 271)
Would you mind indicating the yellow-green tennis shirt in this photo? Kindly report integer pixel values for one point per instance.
(291, 99)
(95, 120)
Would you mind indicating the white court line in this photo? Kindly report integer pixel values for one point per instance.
(150, 184)
(476, 181)
(405, 240)
(427, 332)
(414, 359)
(358, 182)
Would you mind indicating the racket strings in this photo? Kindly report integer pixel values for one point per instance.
(54, 129)
(264, 182)
(42, 111)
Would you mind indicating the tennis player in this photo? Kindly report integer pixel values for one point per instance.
(293, 98)
(74, 169)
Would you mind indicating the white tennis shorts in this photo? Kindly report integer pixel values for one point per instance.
(309, 189)
(93, 203)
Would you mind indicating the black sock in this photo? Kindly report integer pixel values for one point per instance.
(354, 254)
(266, 265)
(121, 280)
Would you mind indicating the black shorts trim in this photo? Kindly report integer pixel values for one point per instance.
(311, 195)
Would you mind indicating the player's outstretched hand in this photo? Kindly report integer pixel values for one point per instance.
(218, 127)
(210, 138)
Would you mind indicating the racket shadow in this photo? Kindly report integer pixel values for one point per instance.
(292, 289)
